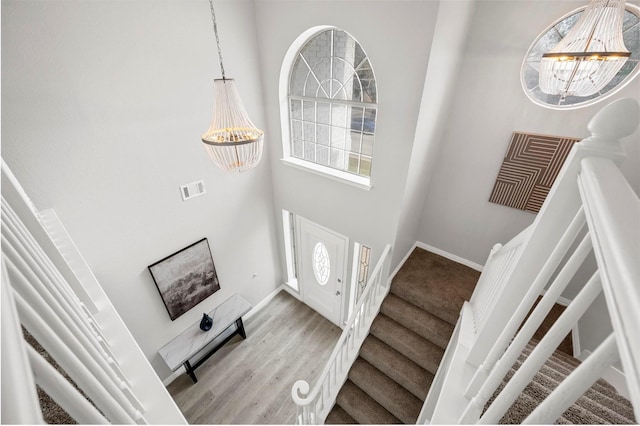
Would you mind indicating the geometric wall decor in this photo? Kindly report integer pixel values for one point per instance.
(528, 170)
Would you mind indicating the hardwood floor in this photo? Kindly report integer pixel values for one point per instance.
(249, 381)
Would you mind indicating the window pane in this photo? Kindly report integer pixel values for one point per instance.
(310, 151)
(298, 77)
(368, 84)
(365, 166)
(322, 155)
(324, 112)
(357, 118)
(324, 135)
(353, 142)
(339, 115)
(367, 144)
(296, 109)
(296, 129)
(309, 111)
(337, 159)
(309, 132)
(369, 125)
(297, 148)
(353, 165)
(338, 137)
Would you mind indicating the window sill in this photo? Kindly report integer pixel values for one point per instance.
(338, 175)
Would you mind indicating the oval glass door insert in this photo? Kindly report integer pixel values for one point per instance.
(321, 263)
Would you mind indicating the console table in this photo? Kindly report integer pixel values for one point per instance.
(187, 344)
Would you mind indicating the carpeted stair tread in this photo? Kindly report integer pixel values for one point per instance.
(389, 394)
(337, 416)
(398, 367)
(604, 396)
(427, 280)
(565, 368)
(417, 320)
(361, 407)
(593, 407)
(421, 351)
(521, 408)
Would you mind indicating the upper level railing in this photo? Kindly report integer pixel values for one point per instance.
(313, 407)
(52, 294)
(590, 208)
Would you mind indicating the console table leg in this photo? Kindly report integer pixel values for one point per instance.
(190, 372)
(240, 325)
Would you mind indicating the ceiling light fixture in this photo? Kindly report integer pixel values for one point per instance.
(590, 55)
(233, 142)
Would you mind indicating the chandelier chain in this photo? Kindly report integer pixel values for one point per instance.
(215, 31)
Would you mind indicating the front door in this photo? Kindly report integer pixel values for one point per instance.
(322, 266)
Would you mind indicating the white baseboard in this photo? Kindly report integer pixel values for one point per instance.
(450, 256)
(561, 300)
(264, 302)
(612, 375)
(291, 292)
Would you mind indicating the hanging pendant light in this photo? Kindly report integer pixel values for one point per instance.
(232, 141)
(590, 55)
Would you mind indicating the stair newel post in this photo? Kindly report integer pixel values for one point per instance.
(607, 127)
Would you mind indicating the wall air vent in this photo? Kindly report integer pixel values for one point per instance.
(193, 189)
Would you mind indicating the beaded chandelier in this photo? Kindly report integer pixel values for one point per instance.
(232, 141)
(590, 55)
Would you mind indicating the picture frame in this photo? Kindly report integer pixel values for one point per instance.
(185, 278)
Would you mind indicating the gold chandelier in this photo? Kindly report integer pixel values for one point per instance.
(232, 141)
(590, 55)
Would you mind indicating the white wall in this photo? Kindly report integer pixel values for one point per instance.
(488, 106)
(449, 44)
(103, 105)
(396, 35)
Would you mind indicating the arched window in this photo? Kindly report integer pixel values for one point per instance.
(332, 104)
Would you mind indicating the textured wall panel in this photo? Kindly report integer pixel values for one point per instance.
(528, 170)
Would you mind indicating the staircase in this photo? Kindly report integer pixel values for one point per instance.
(391, 377)
(389, 380)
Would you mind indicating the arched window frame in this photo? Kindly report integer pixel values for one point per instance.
(288, 63)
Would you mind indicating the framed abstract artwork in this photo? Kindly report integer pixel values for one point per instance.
(185, 278)
(529, 168)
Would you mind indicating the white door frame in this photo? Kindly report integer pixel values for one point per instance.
(342, 275)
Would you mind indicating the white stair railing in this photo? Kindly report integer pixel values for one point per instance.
(313, 407)
(591, 207)
(87, 338)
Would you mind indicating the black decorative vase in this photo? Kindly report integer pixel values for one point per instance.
(206, 322)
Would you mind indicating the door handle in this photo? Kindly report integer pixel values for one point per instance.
(338, 293)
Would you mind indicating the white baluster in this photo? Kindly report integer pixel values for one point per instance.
(545, 305)
(72, 365)
(538, 356)
(61, 391)
(19, 398)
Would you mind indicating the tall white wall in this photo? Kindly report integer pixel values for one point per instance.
(487, 107)
(449, 44)
(396, 35)
(103, 105)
